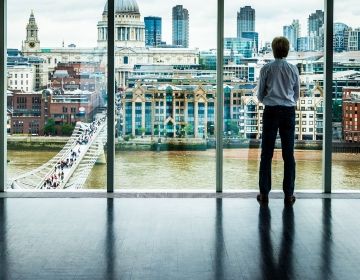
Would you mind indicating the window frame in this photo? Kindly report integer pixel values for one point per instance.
(328, 77)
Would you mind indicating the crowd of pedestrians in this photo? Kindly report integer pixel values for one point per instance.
(57, 175)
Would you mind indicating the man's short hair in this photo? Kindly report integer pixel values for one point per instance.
(280, 47)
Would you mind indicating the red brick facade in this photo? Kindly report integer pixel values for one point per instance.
(27, 117)
(30, 111)
(351, 114)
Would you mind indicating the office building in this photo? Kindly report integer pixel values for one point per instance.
(354, 40)
(243, 46)
(341, 36)
(316, 31)
(180, 26)
(152, 31)
(254, 36)
(245, 20)
(292, 33)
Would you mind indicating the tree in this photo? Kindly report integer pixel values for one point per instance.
(189, 129)
(233, 127)
(67, 129)
(142, 131)
(49, 127)
(156, 131)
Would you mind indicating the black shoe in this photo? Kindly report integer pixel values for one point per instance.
(289, 200)
(262, 198)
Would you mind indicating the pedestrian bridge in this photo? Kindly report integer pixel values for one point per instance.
(70, 168)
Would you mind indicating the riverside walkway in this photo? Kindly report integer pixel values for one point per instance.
(70, 168)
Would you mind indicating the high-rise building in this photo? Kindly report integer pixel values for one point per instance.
(315, 22)
(316, 30)
(245, 20)
(302, 44)
(341, 34)
(180, 26)
(354, 40)
(292, 33)
(152, 31)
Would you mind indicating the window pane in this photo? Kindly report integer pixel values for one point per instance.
(346, 98)
(56, 94)
(165, 98)
(249, 30)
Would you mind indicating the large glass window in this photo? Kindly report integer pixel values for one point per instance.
(166, 98)
(346, 99)
(56, 98)
(249, 30)
(165, 103)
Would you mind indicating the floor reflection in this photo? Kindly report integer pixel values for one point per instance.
(327, 240)
(3, 240)
(273, 267)
(219, 242)
(110, 240)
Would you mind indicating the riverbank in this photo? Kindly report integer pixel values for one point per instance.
(54, 143)
(43, 143)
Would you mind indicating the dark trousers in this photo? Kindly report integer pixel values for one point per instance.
(282, 119)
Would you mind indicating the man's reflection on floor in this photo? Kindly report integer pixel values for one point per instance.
(273, 267)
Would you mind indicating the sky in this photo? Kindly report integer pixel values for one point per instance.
(75, 21)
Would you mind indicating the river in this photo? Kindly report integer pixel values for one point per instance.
(186, 170)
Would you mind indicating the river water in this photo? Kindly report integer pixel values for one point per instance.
(187, 170)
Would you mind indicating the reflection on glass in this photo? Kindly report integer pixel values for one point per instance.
(56, 95)
(244, 57)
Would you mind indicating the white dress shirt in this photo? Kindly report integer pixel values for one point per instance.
(279, 84)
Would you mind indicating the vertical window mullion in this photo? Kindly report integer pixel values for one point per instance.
(3, 89)
(111, 98)
(328, 73)
(219, 95)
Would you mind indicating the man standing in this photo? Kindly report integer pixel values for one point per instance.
(278, 90)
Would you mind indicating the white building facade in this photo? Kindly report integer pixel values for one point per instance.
(21, 78)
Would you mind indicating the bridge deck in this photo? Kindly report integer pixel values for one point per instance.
(71, 166)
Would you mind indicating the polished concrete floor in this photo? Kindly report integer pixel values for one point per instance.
(178, 238)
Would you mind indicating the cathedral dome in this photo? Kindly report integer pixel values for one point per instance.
(124, 6)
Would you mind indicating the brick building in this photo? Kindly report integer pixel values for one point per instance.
(71, 76)
(70, 106)
(351, 114)
(30, 111)
(26, 113)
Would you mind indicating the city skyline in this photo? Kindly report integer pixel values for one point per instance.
(55, 28)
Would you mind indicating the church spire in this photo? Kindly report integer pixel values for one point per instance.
(32, 42)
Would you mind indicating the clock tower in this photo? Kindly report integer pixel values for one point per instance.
(32, 43)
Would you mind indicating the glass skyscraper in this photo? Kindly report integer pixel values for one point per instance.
(316, 31)
(180, 26)
(341, 36)
(245, 20)
(152, 31)
(292, 32)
